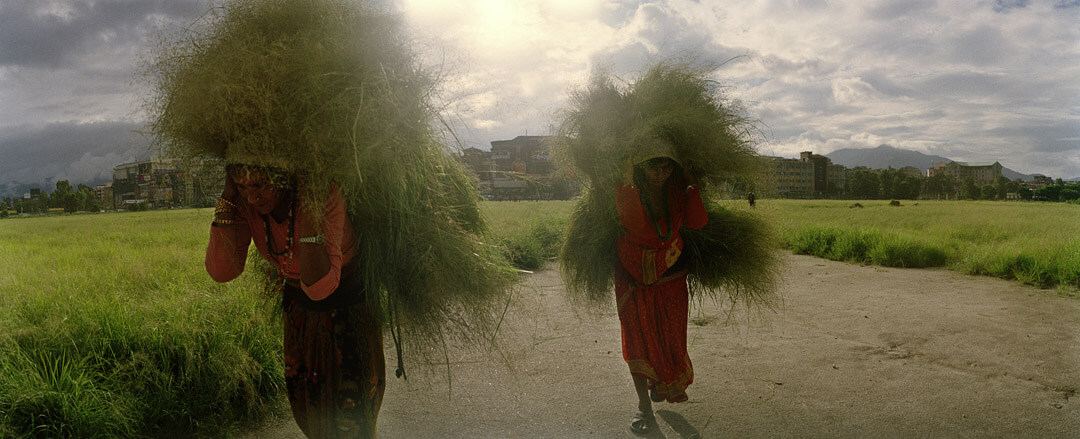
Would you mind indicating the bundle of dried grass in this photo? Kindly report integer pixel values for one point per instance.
(329, 91)
(672, 104)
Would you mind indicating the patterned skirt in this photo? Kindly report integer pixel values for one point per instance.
(334, 367)
(653, 322)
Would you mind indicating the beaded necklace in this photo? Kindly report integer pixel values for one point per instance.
(279, 281)
(667, 214)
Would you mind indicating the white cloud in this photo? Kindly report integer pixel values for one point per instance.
(852, 90)
(981, 81)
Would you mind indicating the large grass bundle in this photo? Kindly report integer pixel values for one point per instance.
(329, 91)
(677, 106)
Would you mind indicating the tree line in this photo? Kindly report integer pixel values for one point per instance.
(878, 184)
(64, 196)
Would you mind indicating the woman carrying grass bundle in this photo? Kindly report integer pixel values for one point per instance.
(336, 170)
(334, 367)
(665, 144)
(650, 287)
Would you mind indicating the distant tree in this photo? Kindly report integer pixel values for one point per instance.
(1069, 194)
(988, 192)
(864, 184)
(934, 185)
(969, 190)
(1060, 182)
(1001, 187)
(64, 196)
(86, 200)
(1025, 193)
(1048, 193)
(910, 186)
(951, 184)
(41, 204)
(887, 183)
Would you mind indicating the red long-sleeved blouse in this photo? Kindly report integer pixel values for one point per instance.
(227, 252)
(643, 253)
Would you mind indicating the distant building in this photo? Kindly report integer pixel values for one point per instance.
(516, 169)
(523, 155)
(981, 173)
(1041, 179)
(809, 175)
(157, 182)
(104, 195)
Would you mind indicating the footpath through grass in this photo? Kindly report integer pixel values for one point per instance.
(110, 327)
(1034, 243)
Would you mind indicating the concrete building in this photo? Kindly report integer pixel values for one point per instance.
(809, 175)
(1041, 179)
(157, 182)
(104, 195)
(529, 155)
(516, 169)
(981, 173)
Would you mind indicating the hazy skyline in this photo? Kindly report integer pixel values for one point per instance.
(972, 81)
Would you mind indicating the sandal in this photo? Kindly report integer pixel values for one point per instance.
(655, 396)
(642, 423)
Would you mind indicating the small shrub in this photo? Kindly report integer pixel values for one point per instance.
(865, 246)
(523, 251)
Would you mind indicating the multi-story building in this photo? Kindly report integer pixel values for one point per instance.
(519, 168)
(104, 195)
(981, 173)
(809, 175)
(157, 182)
(1041, 179)
(528, 155)
(480, 162)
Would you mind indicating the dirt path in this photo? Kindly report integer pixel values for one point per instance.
(856, 352)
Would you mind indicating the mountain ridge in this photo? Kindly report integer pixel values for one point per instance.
(885, 156)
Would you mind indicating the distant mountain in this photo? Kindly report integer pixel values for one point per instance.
(1013, 175)
(885, 156)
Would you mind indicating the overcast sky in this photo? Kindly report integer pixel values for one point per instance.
(969, 80)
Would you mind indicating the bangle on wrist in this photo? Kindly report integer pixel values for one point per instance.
(317, 239)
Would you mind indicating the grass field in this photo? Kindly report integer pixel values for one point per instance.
(1035, 243)
(109, 325)
(111, 328)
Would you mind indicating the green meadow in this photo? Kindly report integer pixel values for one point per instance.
(110, 327)
(1034, 243)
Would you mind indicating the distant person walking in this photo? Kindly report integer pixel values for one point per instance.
(750, 198)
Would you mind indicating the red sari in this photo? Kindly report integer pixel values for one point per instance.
(652, 297)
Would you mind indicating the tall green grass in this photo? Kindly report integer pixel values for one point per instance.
(110, 327)
(528, 233)
(1034, 243)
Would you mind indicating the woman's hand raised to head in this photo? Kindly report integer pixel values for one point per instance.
(688, 177)
(230, 193)
(627, 167)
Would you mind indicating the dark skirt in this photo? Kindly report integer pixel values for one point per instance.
(334, 367)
